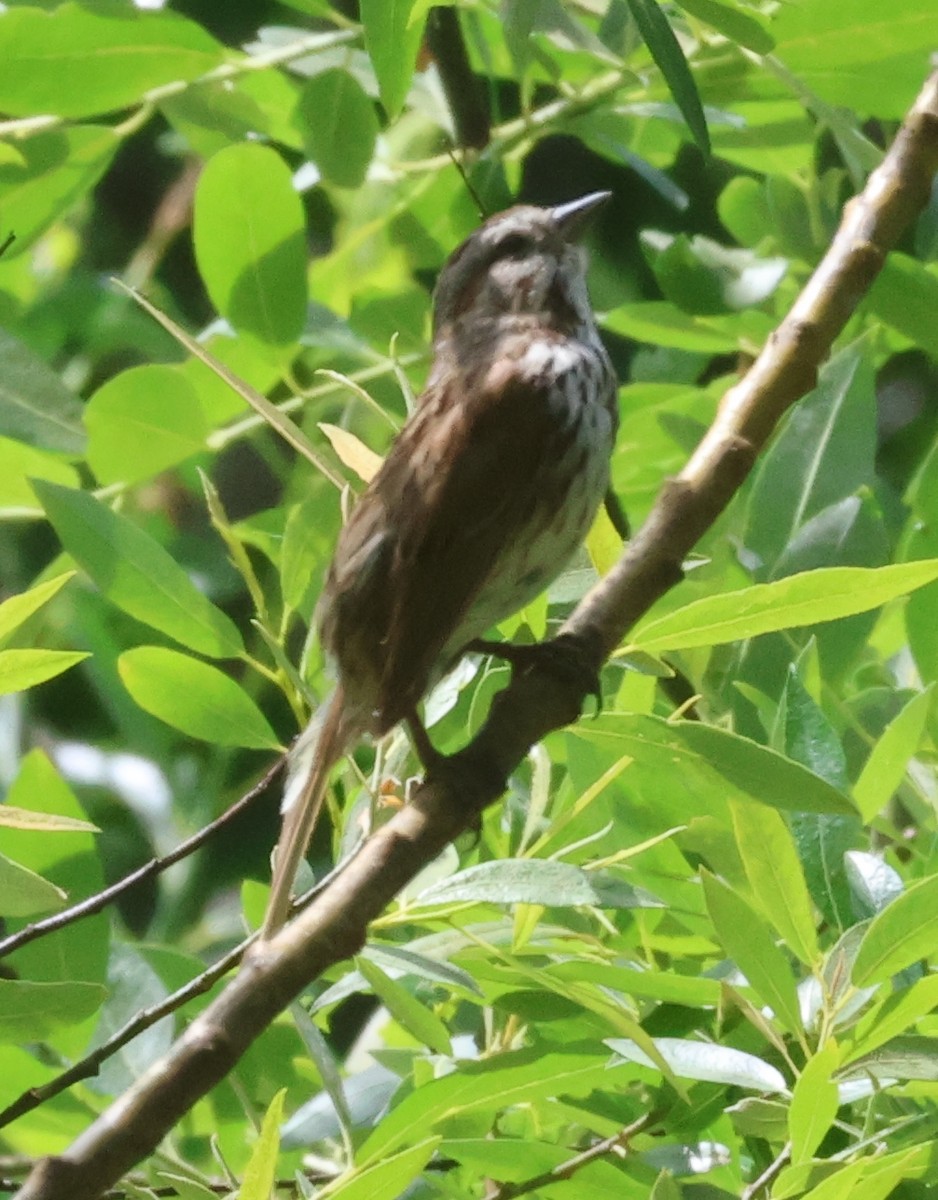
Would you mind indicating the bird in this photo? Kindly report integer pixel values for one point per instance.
(485, 495)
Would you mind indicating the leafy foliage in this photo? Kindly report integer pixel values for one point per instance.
(698, 935)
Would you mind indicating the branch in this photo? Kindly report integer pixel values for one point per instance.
(464, 93)
(536, 702)
(100, 900)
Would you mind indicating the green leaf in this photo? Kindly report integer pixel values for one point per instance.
(22, 669)
(664, 324)
(339, 126)
(900, 935)
(141, 422)
(408, 1011)
(700, 276)
(488, 1086)
(20, 608)
(261, 1171)
(911, 1057)
(250, 244)
(76, 62)
(889, 759)
(23, 818)
(747, 941)
(23, 893)
(194, 697)
(30, 1011)
(706, 1062)
(836, 49)
(535, 881)
(774, 872)
(735, 23)
(56, 169)
(814, 1103)
(385, 1180)
(35, 406)
(810, 598)
(904, 295)
(70, 859)
(824, 453)
(709, 755)
(665, 49)
(134, 572)
(392, 43)
(895, 1015)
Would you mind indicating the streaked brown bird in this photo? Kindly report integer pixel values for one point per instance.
(486, 493)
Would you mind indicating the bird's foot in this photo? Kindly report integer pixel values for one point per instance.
(567, 656)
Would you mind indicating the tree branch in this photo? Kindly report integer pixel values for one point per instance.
(536, 702)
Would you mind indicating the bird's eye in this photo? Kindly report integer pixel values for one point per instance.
(516, 245)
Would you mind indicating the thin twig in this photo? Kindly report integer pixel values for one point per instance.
(768, 1175)
(566, 1170)
(100, 900)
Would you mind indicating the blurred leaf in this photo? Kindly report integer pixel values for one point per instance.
(23, 893)
(904, 295)
(20, 465)
(665, 49)
(249, 235)
(134, 572)
(40, 822)
(35, 406)
(406, 1009)
(32, 1011)
(71, 861)
(707, 1062)
(833, 49)
(747, 940)
(22, 669)
(663, 324)
(194, 697)
(58, 168)
(352, 452)
(77, 62)
(20, 608)
(737, 24)
(810, 598)
(339, 125)
(141, 422)
(392, 42)
(900, 935)
(700, 276)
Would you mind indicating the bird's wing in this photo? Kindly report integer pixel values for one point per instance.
(464, 481)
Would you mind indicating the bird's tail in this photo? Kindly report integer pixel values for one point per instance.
(317, 750)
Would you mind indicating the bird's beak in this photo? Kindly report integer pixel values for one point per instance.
(574, 216)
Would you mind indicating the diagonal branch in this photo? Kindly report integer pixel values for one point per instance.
(334, 926)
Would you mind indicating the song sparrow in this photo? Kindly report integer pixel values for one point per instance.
(486, 493)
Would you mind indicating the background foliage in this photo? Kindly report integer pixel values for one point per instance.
(718, 926)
